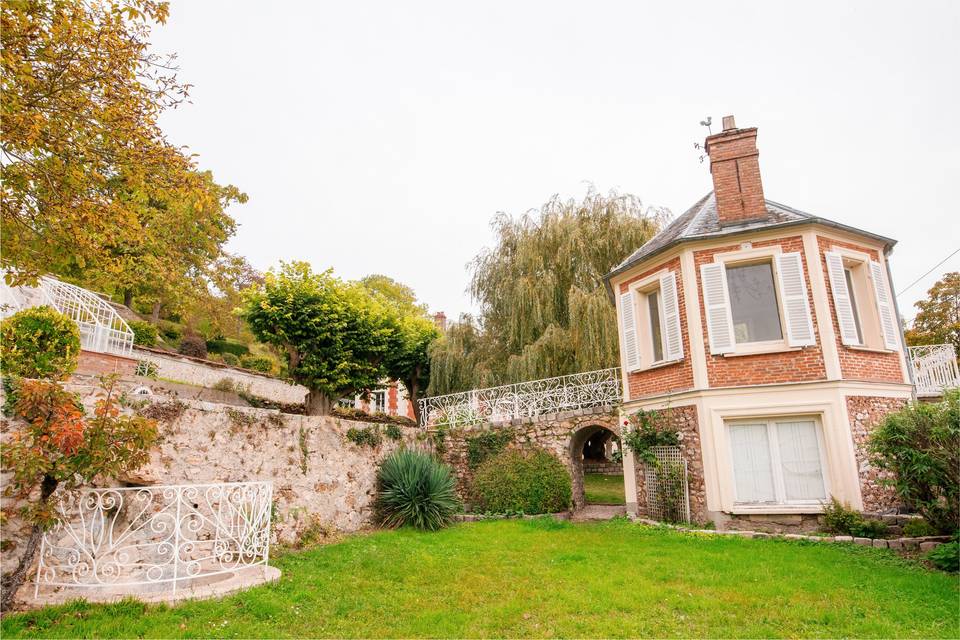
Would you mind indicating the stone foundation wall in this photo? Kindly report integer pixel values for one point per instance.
(321, 480)
(605, 468)
(684, 420)
(866, 413)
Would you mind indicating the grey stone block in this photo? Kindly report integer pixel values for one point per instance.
(866, 542)
(929, 546)
(880, 544)
(843, 538)
(894, 544)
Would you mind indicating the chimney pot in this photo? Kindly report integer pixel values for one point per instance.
(729, 123)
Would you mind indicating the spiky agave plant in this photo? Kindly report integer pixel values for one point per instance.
(415, 489)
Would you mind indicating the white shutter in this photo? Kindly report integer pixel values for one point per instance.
(888, 319)
(841, 299)
(672, 335)
(796, 307)
(628, 332)
(716, 301)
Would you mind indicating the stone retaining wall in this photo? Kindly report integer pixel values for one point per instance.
(604, 468)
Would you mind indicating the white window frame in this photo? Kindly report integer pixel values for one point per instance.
(773, 443)
(378, 393)
(864, 298)
(641, 308)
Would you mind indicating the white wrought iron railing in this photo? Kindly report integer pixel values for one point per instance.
(101, 327)
(524, 399)
(934, 368)
(131, 540)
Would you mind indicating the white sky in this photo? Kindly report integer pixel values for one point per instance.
(382, 137)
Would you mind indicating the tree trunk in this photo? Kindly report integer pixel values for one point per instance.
(128, 298)
(413, 391)
(11, 583)
(155, 314)
(318, 404)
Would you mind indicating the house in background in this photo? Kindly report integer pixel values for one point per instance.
(771, 339)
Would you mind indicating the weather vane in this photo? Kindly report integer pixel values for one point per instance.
(699, 147)
(706, 123)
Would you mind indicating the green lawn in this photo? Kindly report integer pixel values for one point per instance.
(544, 578)
(601, 489)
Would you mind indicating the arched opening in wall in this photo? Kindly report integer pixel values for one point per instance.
(596, 466)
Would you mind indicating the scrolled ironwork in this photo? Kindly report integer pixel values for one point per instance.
(934, 368)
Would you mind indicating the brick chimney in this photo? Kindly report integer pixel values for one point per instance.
(735, 167)
(440, 319)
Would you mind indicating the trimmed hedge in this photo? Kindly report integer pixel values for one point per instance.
(144, 333)
(257, 363)
(39, 342)
(226, 346)
(522, 481)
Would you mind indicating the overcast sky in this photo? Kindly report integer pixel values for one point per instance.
(383, 137)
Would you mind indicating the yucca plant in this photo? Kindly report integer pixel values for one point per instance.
(415, 489)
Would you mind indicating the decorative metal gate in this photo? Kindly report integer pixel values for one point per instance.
(665, 481)
(156, 538)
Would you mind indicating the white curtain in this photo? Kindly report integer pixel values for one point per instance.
(800, 460)
(751, 463)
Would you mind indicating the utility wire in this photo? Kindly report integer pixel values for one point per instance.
(955, 252)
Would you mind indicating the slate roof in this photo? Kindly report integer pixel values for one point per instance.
(701, 221)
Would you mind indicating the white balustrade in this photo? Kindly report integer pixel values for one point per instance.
(934, 368)
(524, 399)
(133, 540)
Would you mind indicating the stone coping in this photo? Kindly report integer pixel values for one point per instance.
(201, 588)
(924, 543)
(477, 517)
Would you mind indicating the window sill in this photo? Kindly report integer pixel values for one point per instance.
(867, 349)
(760, 350)
(658, 365)
(775, 509)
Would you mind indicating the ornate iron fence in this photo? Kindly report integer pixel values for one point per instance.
(524, 399)
(156, 538)
(934, 368)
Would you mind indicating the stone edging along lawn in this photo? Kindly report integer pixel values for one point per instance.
(924, 543)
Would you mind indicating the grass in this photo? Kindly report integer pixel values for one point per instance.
(601, 489)
(543, 578)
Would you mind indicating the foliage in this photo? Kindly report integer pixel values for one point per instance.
(460, 359)
(526, 481)
(194, 346)
(224, 384)
(144, 333)
(918, 528)
(438, 437)
(57, 446)
(946, 556)
(415, 489)
(335, 334)
(544, 308)
(170, 330)
(648, 429)
(870, 529)
(938, 318)
(365, 437)
(351, 413)
(235, 349)
(262, 364)
(920, 445)
(230, 359)
(147, 369)
(839, 519)
(394, 432)
(39, 342)
(486, 445)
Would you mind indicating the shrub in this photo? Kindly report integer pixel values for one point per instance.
(224, 384)
(230, 359)
(920, 445)
(170, 330)
(262, 364)
(144, 333)
(227, 346)
(531, 481)
(193, 345)
(839, 519)
(870, 529)
(918, 528)
(39, 342)
(648, 430)
(393, 432)
(366, 437)
(946, 556)
(415, 489)
(486, 445)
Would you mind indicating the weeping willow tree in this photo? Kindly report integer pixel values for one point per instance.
(544, 310)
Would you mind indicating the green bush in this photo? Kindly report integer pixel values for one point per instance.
(870, 529)
(193, 345)
(920, 445)
(262, 364)
(394, 432)
(415, 489)
(946, 556)
(839, 519)
(366, 437)
(39, 342)
(230, 359)
(227, 346)
(529, 481)
(171, 330)
(486, 445)
(918, 528)
(144, 333)
(648, 429)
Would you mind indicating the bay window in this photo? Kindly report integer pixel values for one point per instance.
(777, 461)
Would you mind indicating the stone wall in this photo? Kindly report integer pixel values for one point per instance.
(204, 373)
(866, 413)
(321, 480)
